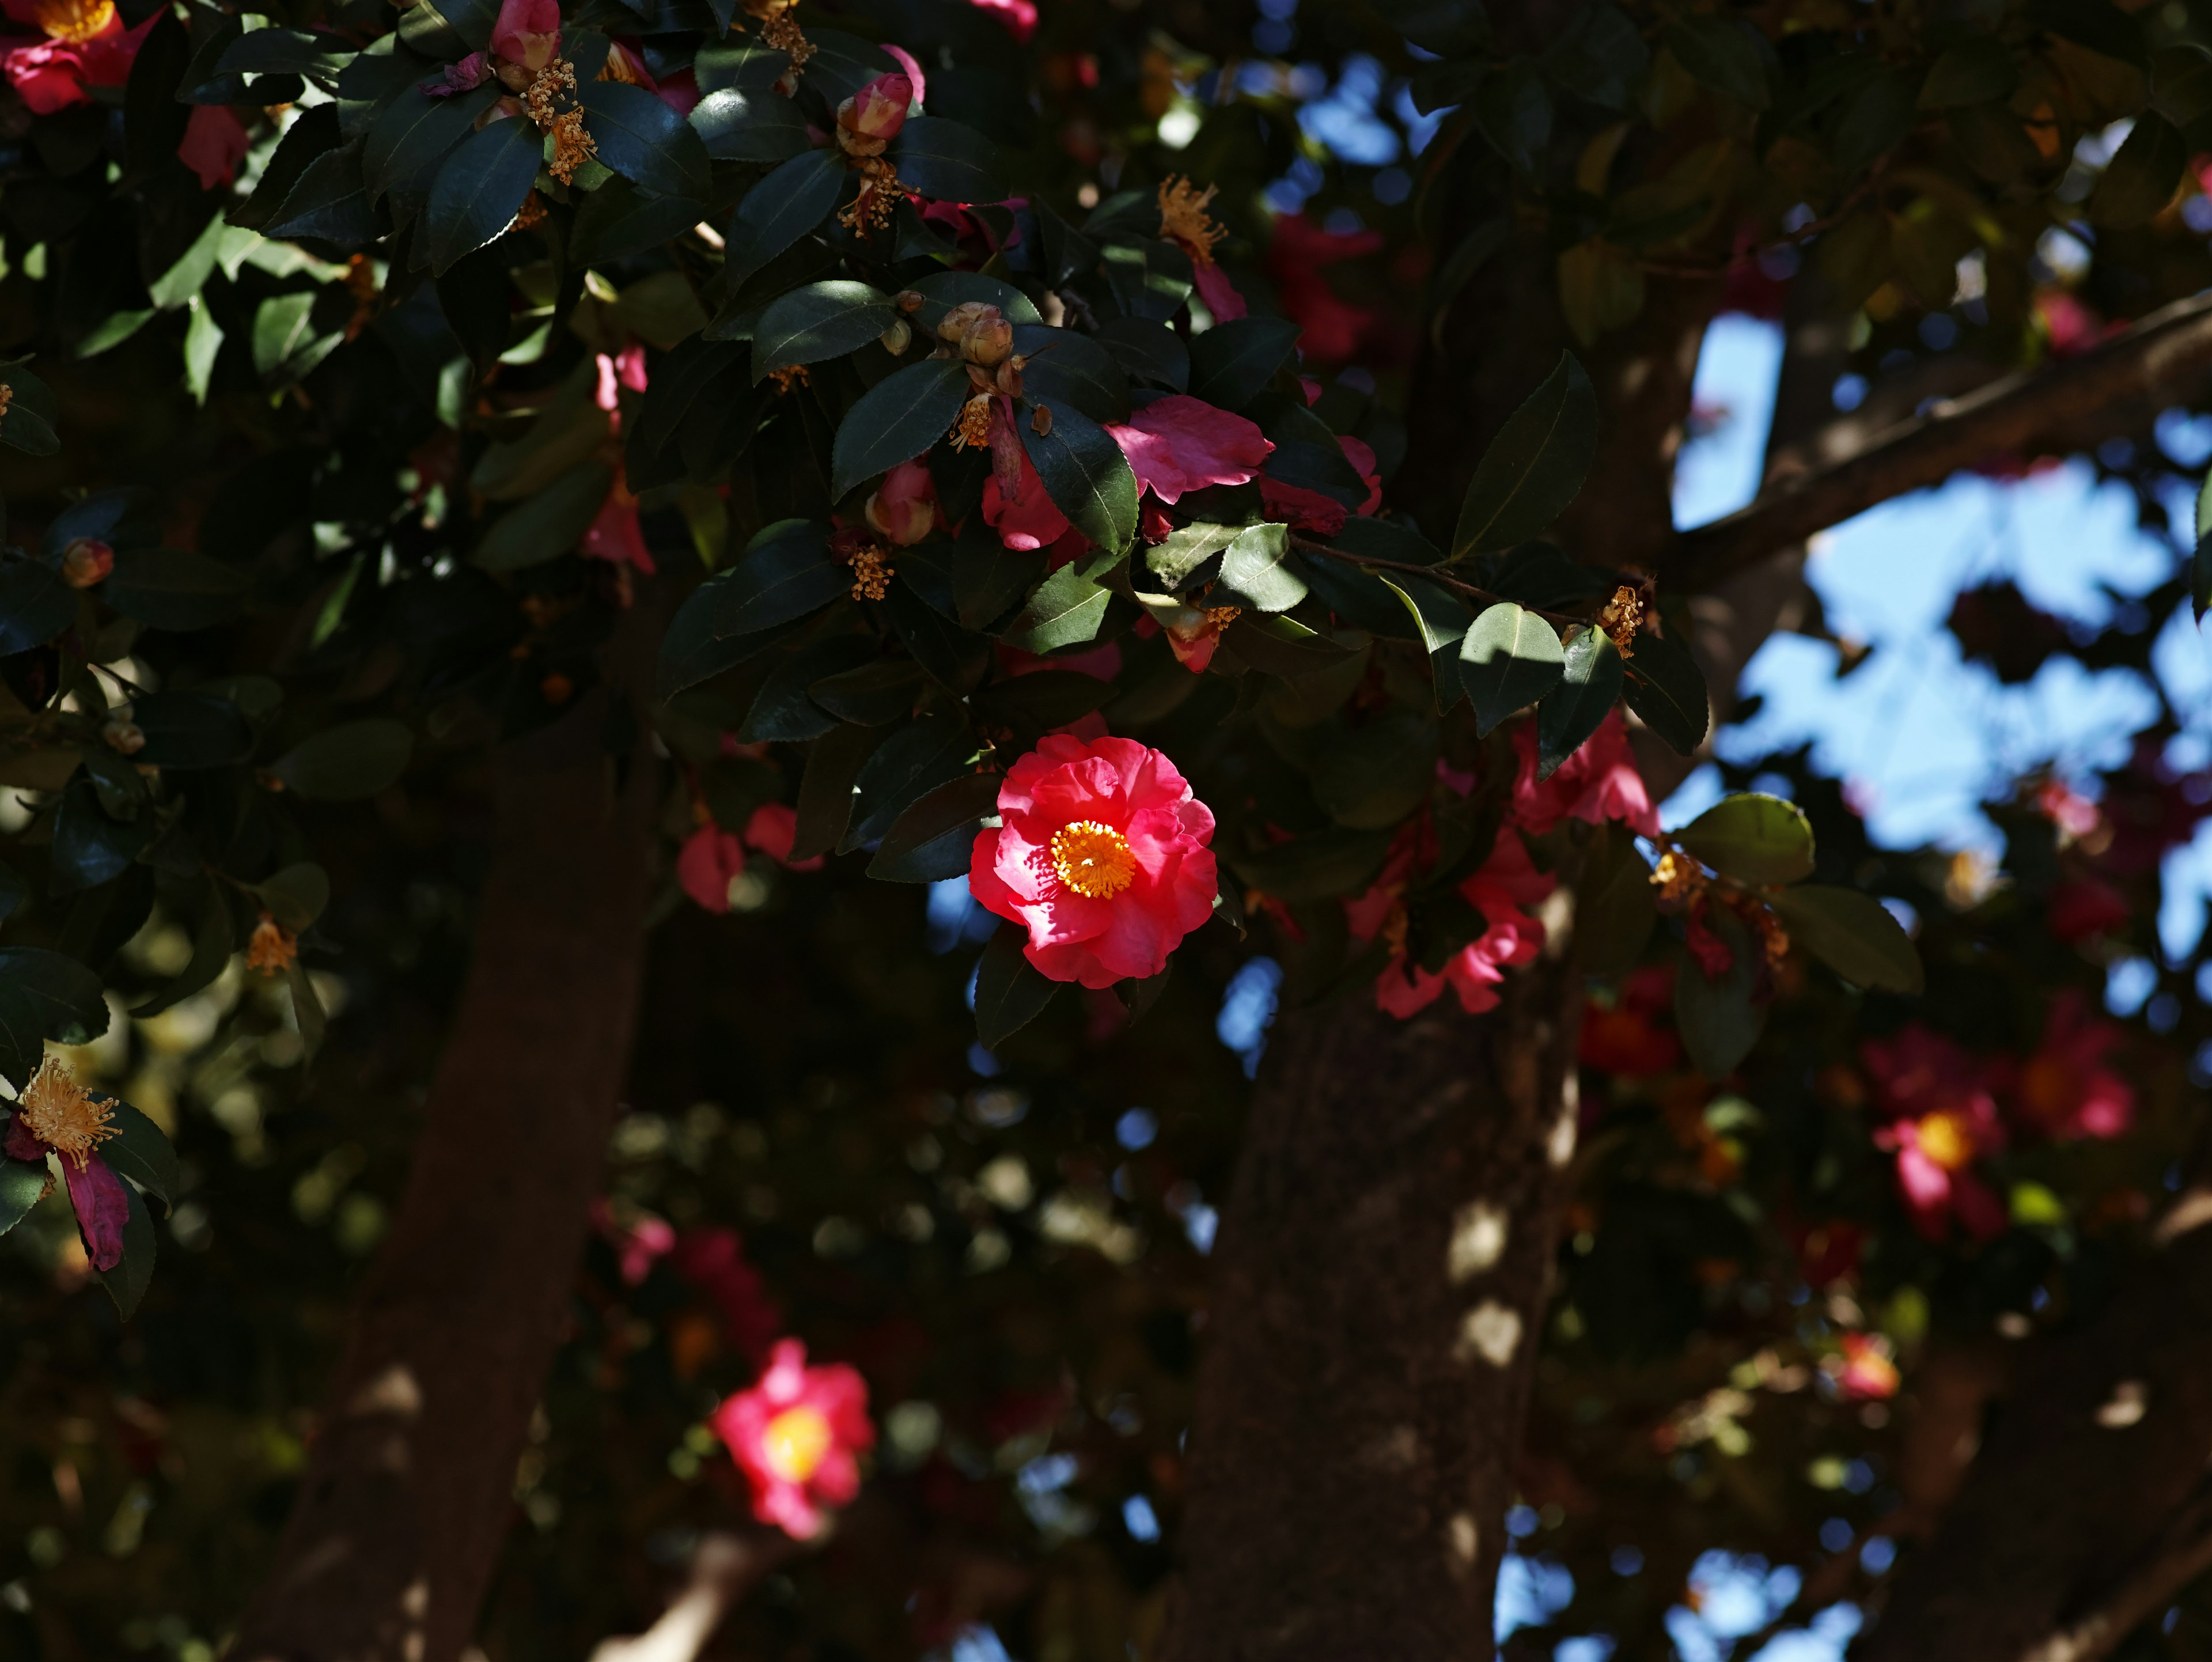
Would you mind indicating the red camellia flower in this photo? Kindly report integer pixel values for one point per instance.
(796, 1435)
(1101, 855)
(1934, 1171)
(1507, 881)
(85, 45)
(1598, 782)
(2064, 1090)
(1024, 517)
(1180, 443)
(56, 1113)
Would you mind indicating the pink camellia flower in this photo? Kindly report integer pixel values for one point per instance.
(1936, 1154)
(771, 830)
(1019, 16)
(615, 371)
(1180, 443)
(1507, 882)
(796, 1435)
(86, 561)
(615, 535)
(1311, 510)
(215, 142)
(713, 1259)
(904, 507)
(2063, 1090)
(878, 111)
(1101, 855)
(528, 32)
(1024, 517)
(1866, 1371)
(1218, 293)
(56, 1114)
(709, 861)
(1598, 782)
(85, 45)
(639, 1243)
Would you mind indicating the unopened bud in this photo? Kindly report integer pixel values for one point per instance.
(86, 562)
(124, 738)
(897, 338)
(957, 322)
(988, 341)
(911, 301)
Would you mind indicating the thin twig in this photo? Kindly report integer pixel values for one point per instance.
(1487, 596)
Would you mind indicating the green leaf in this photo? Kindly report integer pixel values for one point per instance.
(779, 210)
(948, 160)
(45, 994)
(1258, 570)
(127, 1282)
(349, 763)
(1148, 351)
(895, 420)
(1753, 838)
(821, 320)
(190, 730)
(645, 140)
(955, 658)
(1536, 465)
(1067, 610)
(1034, 703)
(826, 789)
(944, 290)
(22, 1183)
(975, 580)
(1854, 935)
(1066, 370)
(547, 524)
(1514, 113)
(875, 695)
(935, 838)
(1010, 991)
(1087, 476)
(36, 604)
(285, 341)
(785, 573)
(1371, 778)
(329, 201)
(1591, 681)
(1667, 693)
(479, 189)
(2141, 178)
(415, 132)
(1507, 661)
(1231, 363)
(213, 943)
(1151, 279)
(142, 1153)
(1187, 548)
(296, 896)
(89, 847)
(1719, 1020)
(913, 762)
(1974, 69)
(743, 124)
(308, 1011)
(1727, 54)
(781, 710)
(1876, 118)
(1324, 866)
(1615, 908)
(1441, 619)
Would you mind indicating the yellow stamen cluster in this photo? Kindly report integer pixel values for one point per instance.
(1678, 876)
(879, 197)
(972, 429)
(532, 211)
(1093, 859)
(56, 1111)
(1772, 936)
(75, 20)
(872, 572)
(1947, 1139)
(796, 1442)
(790, 375)
(273, 948)
(1622, 617)
(572, 145)
(1220, 616)
(781, 31)
(1183, 218)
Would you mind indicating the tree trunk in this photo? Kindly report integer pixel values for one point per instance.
(1383, 1268)
(2086, 1510)
(408, 1491)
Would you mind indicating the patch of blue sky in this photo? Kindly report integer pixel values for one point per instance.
(1530, 1592)
(1346, 121)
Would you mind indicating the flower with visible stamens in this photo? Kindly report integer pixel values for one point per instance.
(56, 1114)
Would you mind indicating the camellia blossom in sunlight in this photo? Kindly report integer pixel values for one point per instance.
(2064, 1090)
(1101, 856)
(797, 1435)
(1598, 782)
(1505, 883)
(57, 1114)
(1180, 443)
(85, 45)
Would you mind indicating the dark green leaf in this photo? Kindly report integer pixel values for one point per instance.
(1232, 362)
(213, 943)
(1260, 570)
(875, 695)
(308, 1012)
(1514, 113)
(1753, 838)
(821, 320)
(779, 210)
(913, 762)
(1876, 118)
(190, 730)
(895, 420)
(785, 573)
(948, 160)
(1067, 610)
(1034, 703)
(1598, 56)
(22, 1183)
(349, 763)
(296, 895)
(1974, 69)
(1441, 618)
(955, 658)
(142, 1153)
(547, 524)
(479, 188)
(1151, 279)
(28, 425)
(416, 131)
(1508, 659)
(1371, 778)
(36, 604)
(783, 710)
(1324, 866)
(1719, 1020)
(935, 838)
(1615, 908)
(1010, 991)
(1066, 370)
(89, 847)
(277, 51)
(1667, 693)
(329, 201)
(975, 580)
(741, 124)
(1727, 54)
(1854, 935)
(45, 994)
(1573, 711)
(1276, 644)
(645, 140)
(1534, 468)
(1087, 476)
(826, 789)
(2141, 180)
(1147, 350)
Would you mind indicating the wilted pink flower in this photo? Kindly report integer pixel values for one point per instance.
(528, 32)
(1180, 443)
(617, 371)
(615, 535)
(466, 75)
(796, 1435)
(1507, 882)
(1598, 782)
(1101, 855)
(904, 507)
(215, 142)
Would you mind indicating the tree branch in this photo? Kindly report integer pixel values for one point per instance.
(2185, 1554)
(2113, 387)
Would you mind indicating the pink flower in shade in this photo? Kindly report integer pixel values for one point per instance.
(57, 1115)
(618, 370)
(215, 142)
(528, 32)
(1101, 856)
(1361, 455)
(709, 861)
(1218, 292)
(1019, 16)
(1023, 517)
(1629, 1036)
(638, 1243)
(879, 110)
(679, 91)
(1934, 1176)
(1866, 1371)
(1332, 328)
(615, 535)
(1310, 510)
(2063, 1089)
(713, 1259)
(1507, 881)
(1598, 782)
(2079, 909)
(1920, 1071)
(771, 831)
(85, 45)
(1180, 443)
(904, 507)
(796, 1435)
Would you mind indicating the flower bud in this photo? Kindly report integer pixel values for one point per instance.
(987, 340)
(875, 112)
(910, 300)
(956, 322)
(905, 509)
(528, 32)
(897, 338)
(85, 562)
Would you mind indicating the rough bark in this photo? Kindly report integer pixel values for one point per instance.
(409, 1488)
(2087, 1507)
(1384, 1267)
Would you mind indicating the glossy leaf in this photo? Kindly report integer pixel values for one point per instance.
(1067, 610)
(1087, 476)
(785, 573)
(1258, 570)
(1590, 681)
(821, 320)
(1508, 659)
(1753, 838)
(479, 189)
(645, 141)
(1010, 992)
(1232, 362)
(349, 763)
(1719, 1019)
(781, 209)
(1667, 692)
(895, 420)
(1536, 465)
(933, 839)
(1725, 53)
(1854, 935)
(741, 124)
(948, 160)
